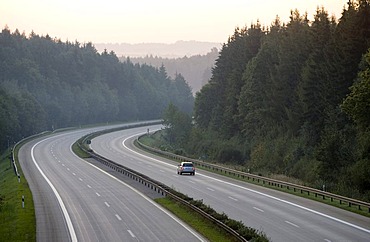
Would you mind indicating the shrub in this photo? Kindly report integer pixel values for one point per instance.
(230, 154)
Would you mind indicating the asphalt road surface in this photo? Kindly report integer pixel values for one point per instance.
(283, 217)
(77, 201)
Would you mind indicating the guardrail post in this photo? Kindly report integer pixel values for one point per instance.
(22, 201)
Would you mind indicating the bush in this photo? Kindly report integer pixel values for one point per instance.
(180, 152)
(230, 154)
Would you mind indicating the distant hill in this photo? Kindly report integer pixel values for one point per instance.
(196, 69)
(175, 50)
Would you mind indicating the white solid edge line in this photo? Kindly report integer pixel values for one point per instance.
(60, 201)
(145, 197)
(254, 191)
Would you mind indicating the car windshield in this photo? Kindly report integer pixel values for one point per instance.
(188, 165)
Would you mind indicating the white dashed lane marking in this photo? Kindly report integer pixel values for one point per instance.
(292, 224)
(132, 234)
(258, 209)
(232, 198)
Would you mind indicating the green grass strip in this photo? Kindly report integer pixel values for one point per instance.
(205, 227)
(79, 152)
(16, 223)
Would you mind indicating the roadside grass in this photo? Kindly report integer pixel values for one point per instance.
(80, 153)
(16, 223)
(155, 141)
(208, 229)
(152, 140)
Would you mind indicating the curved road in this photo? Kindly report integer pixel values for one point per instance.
(283, 217)
(75, 200)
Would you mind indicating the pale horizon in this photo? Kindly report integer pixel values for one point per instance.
(163, 21)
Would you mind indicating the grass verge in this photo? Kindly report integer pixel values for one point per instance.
(16, 223)
(79, 152)
(196, 221)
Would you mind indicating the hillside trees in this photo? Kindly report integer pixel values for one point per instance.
(312, 88)
(177, 124)
(257, 106)
(357, 106)
(336, 151)
(278, 102)
(357, 103)
(181, 94)
(47, 84)
(224, 87)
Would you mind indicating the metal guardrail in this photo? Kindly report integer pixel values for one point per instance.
(15, 165)
(154, 185)
(14, 150)
(264, 180)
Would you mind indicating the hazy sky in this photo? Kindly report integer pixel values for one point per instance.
(143, 21)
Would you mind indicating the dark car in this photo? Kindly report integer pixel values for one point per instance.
(186, 167)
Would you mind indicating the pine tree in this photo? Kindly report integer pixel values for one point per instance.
(357, 103)
(312, 89)
(294, 51)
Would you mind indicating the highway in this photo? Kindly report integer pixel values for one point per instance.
(283, 217)
(77, 201)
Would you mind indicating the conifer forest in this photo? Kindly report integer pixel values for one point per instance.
(291, 99)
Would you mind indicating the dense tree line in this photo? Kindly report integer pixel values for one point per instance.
(196, 69)
(293, 99)
(47, 84)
